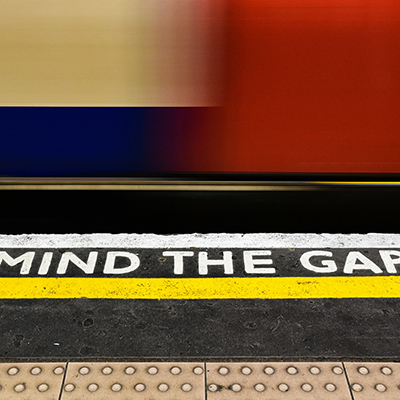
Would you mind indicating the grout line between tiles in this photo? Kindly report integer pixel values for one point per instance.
(63, 381)
(205, 382)
(347, 380)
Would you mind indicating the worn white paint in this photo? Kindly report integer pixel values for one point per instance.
(178, 259)
(195, 240)
(389, 261)
(329, 266)
(250, 263)
(205, 262)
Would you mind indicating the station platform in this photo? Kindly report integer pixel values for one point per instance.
(215, 316)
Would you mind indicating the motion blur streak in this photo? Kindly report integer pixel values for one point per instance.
(110, 52)
(312, 86)
(302, 86)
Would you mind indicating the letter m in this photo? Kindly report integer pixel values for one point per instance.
(26, 260)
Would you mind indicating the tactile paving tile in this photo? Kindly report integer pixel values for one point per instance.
(31, 381)
(370, 381)
(146, 381)
(276, 381)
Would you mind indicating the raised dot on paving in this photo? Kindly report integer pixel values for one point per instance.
(363, 370)
(93, 387)
(84, 370)
(356, 387)
(43, 387)
(269, 370)
(380, 387)
(156, 380)
(130, 370)
(330, 387)
(259, 387)
(36, 370)
(187, 387)
(246, 371)
(236, 387)
(292, 370)
(116, 387)
(212, 387)
(140, 387)
(13, 371)
(306, 387)
(386, 370)
(107, 370)
(175, 370)
(58, 370)
(152, 370)
(19, 388)
(315, 370)
(283, 387)
(337, 370)
(163, 387)
(197, 370)
(223, 370)
(69, 387)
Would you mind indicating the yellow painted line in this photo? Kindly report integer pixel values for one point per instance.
(200, 288)
(357, 183)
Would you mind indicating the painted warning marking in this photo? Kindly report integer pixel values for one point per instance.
(211, 240)
(154, 263)
(183, 267)
(201, 288)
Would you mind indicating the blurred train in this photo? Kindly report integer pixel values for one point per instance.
(187, 115)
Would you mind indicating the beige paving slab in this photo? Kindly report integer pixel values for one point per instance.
(175, 381)
(370, 381)
(276, 381)
(31, 381)
(145, 381)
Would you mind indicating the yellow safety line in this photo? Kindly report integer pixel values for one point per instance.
(200, 288)
(357, 183)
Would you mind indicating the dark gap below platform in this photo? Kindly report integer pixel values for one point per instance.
(343, 210)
